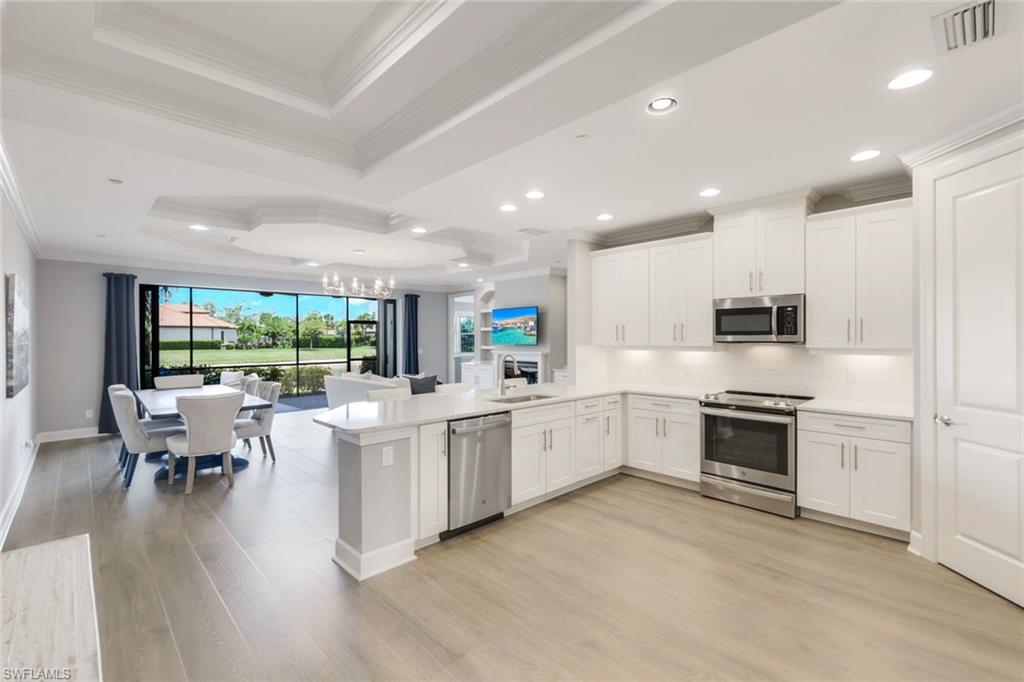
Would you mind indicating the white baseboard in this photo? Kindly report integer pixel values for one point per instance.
(11, 508)
(915, 542)
(854, 524)
(661, 478)
(562, 491)
(362, 566)
(68, 434)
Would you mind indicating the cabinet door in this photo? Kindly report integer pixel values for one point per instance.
(831, 283)
(433, 479)
(606, 292)
(529, 462)
(645, 440)
(561, 453)
(635, 298)
(665, 293)
(589, 445)
(780, 252)
(880, 483)
(680, 446)
(823, 472)
(735, 248)
(697, 324)
(885, 279)
(612, 435)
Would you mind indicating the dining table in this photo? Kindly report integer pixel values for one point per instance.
(162, 403)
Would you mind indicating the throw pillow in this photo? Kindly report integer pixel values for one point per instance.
(419, 386)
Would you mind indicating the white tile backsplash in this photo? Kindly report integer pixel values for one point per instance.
(768, 368)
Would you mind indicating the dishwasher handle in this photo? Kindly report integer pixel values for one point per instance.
(482, 424)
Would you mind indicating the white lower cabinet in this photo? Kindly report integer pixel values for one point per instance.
(612, 450)
(859, 478)
(665, 442)
(561, 454)
(433, 465)
(543, 458)
(589, 445)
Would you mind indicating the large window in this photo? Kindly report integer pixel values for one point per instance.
(296, 339)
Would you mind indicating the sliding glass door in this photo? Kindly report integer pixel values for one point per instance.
(296, 339)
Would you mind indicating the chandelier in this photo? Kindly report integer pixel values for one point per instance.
(336, 287)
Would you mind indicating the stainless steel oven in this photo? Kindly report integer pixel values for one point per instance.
(748, 449)
(760, 319)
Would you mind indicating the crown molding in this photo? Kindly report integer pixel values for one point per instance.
(334, 152)
(1003, 117)
(176, 211)
(881, 189)
(648, 232)
(523, 274)
(12, 192)
(808, 195)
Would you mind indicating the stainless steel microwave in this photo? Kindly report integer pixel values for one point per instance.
(760, 319)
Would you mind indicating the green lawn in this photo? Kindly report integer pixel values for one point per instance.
(170, 358)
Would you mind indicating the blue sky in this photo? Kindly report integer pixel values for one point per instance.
(510, 313)
(279, 304)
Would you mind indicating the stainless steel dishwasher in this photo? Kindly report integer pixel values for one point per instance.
(479, 471)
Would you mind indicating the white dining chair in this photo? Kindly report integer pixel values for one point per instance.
(450, 389)
(251, 383)
(380, 394)
(233, 379)
(137, 440)
(179, 381)
(210, 430)
(259, 424)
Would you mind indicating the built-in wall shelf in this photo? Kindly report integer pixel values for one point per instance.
(486, 347)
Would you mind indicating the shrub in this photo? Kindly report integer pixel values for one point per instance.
(197, 344)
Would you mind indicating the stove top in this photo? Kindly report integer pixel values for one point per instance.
(762, 401)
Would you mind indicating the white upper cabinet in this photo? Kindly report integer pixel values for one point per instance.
(681, 293)
(665, 296)
(760, 251)
(620, 298)
(860, 287)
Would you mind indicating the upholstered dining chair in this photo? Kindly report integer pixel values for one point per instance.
(210, 430)
(137, 440)
(233, 379)
(251, 383)
(449, 389)
(147, 424)
(259, 424)
(388, 394)
(179, 381)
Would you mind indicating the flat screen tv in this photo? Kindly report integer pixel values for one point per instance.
(514, 326)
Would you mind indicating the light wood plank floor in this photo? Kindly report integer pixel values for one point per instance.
(624, 579)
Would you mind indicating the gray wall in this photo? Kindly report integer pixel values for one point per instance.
(548, 293)
(19, 412)
(433, 335)
(71, 306)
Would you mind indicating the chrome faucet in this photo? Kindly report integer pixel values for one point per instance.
(500, 369)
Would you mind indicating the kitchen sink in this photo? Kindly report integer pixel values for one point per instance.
(521, 398)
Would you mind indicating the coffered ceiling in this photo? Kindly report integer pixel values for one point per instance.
(304, 132)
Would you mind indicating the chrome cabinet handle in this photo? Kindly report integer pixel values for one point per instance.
(616, 332)
(623, 333)
(674, 325)
(656, 434)
(855, 458)
(849, 426)
(665, 405)
(551, 438)
(444, 447)
(842, 455)
(607, 426)
(760, 280)
(847, 330)
(591, 420)
(544, 443)
(750, 281)
(862, 330)
(664, 427)
(682, 331)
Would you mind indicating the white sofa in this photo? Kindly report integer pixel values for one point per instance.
(352, 388)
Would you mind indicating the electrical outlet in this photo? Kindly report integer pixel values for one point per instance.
(88, 414)
(851, 376)
(388, 455)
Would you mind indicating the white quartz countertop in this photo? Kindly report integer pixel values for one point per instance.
(364, 417)
(860, 408)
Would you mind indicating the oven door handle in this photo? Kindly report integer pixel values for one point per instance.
(751, 416)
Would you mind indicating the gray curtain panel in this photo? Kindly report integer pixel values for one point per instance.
(120, 357)
(411, 333)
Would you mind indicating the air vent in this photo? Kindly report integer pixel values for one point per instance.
(964, 26)
(533, 231)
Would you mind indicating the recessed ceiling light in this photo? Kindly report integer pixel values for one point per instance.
(710, 192)
(419, 229)
(582, 138)
(479, 279)
(605, 216)
(463, 265)
(661, 105)
(115, 181)
(507, 208)
(198, 228)
(865, 155)
(312, 264)
(358, 252)
(909, 79)
(535, 194)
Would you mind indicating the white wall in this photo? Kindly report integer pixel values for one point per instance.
(18, 413)
(71, 302)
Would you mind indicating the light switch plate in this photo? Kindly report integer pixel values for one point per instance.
(388, 455)
(88, 414)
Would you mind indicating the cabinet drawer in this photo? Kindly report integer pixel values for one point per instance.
(612, 402)
(670, 405)
(859, 427)
(589, 405)
(538, 415)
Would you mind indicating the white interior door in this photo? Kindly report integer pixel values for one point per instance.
(979, 215)
(831, 283)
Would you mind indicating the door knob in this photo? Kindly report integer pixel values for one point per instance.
(944, 420)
